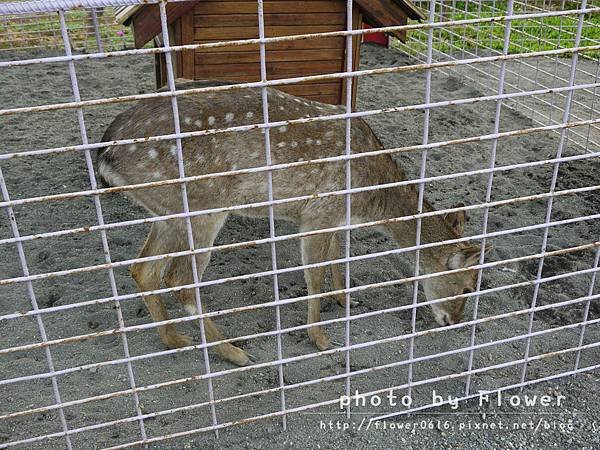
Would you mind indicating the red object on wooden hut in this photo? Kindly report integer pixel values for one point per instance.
(376, 38)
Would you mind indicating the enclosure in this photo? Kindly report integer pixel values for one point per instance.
(490, 107)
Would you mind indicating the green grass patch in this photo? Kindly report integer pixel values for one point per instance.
(42, 31)
(527, 35)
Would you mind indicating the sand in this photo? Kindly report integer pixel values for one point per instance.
(66, 172)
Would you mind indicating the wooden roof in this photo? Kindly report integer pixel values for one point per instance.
(123, 13)
(378, 13)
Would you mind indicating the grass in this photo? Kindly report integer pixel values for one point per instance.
(42, 31)
(527, 35)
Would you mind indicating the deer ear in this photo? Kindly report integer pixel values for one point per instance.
(466, 257)
(471, 255)
(456, 220)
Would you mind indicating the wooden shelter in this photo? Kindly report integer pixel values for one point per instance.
(222, 20)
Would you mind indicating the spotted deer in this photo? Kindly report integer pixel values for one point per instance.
(154, 161)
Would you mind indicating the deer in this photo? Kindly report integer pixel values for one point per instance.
(121, 165)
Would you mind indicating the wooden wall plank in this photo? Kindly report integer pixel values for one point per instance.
(331, 99)
(307, 56)
(187, 37)
(314, 89)
(277, 6)
(276, 69)
(229, 33)
(177, 57)
(251, 20)
(314, 44)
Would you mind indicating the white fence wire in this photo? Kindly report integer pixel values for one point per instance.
(513, 52)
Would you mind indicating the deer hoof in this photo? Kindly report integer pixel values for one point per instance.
(178, 341)
(234, 355)
(321, 340)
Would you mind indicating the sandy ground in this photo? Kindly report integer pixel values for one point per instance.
(66, 172)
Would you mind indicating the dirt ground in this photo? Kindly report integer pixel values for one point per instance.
(66, 172)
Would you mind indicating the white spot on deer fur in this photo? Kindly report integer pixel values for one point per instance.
(309, 141)
(229, 117)
(298, 100)
(282, 108)
(113, 178)
(249, 115)
(294, 144)
(173, 150)
(282, 129)
(152, 153)
(187, 120)
(318, 142)
(280, 95)
(132, 148)
(281, 144)
(211, 120)
(198, 123)
(190, 308)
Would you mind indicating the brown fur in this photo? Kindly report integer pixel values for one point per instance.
(122, 165)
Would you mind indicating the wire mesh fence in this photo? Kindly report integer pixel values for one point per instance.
(488, 109)
(536, 29)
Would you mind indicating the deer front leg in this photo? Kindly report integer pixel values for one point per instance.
(337, 277)
(315, 249)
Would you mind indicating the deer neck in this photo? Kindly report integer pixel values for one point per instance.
(402, 202)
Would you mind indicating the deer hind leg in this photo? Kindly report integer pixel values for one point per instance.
(147, 275)
(337, 275)
(180, 273)
(315, 249)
